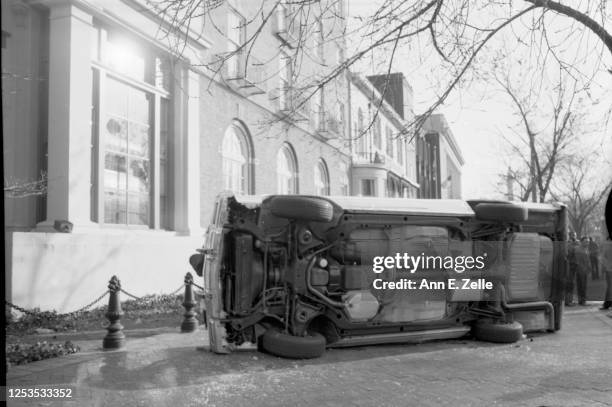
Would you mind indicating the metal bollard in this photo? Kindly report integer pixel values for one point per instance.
(190, 323)
(115, 338)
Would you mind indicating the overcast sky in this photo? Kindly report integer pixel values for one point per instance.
(480, 115)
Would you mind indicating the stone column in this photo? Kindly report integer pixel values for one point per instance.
(69, 132)
(187, 157)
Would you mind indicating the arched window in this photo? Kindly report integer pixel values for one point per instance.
(321, 178)
(286, 171)
(236, 158)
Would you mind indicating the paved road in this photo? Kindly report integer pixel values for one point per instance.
(570, 368)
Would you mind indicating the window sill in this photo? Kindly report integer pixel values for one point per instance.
(96, 228)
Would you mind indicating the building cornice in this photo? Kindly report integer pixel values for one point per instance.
(431, 126)
(369, 91)
(107, 16)
(145, 8)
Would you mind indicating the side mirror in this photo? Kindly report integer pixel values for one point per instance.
(197, 263)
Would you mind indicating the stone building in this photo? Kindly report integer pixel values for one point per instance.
(137, 127)
(383, 152)
(439, 160)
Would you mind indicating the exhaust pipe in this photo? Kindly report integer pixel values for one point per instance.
(530, 306)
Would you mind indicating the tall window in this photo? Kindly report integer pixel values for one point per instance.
(127, 158)
(286, 171)
(286, 20)
(400, 150)
(389, 142)
(318, 110)
(411, 160)
(361, 138)
(339, 53)
(236, 157)
(131, 133)
(368, 187)
(321, 178)
(236, 35)
(341, 118)
(285, 74)
(319, 40)
(338, 8)
(377, 134)
(343, 179)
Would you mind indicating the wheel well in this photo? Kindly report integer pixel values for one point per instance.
(326, 327)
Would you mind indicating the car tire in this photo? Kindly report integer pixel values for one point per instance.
(302, 208)
(294, 347)
(498, 332)
(501, 212)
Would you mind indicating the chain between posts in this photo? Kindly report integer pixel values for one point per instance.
(129, 295)
(177, 290)
(91, 304)
(78, 311)
(20, 309)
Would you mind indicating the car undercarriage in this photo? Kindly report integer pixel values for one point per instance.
(294, 274)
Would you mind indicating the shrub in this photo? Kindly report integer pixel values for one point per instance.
(148, 305)
(27, 323)
(20, 353)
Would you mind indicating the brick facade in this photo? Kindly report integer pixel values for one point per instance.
(268, 135)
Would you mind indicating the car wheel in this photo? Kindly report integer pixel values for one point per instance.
(501, 212)
(302, 208)
(294, 347)
(498, 332)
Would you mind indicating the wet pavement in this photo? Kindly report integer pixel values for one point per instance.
(572, 367)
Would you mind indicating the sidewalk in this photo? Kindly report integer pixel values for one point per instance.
(570, 368)
(589, 307)
(93, 371)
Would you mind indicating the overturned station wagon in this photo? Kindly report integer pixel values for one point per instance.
(296, 274)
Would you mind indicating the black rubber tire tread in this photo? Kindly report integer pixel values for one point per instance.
(294, 347)
(501, 212)
(302, 208)
(497, 332)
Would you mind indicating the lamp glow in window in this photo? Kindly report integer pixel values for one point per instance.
(125, 57)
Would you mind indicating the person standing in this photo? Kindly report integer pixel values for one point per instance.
(582, 271)
(607, 270)
(572, 267)
(594, 257)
